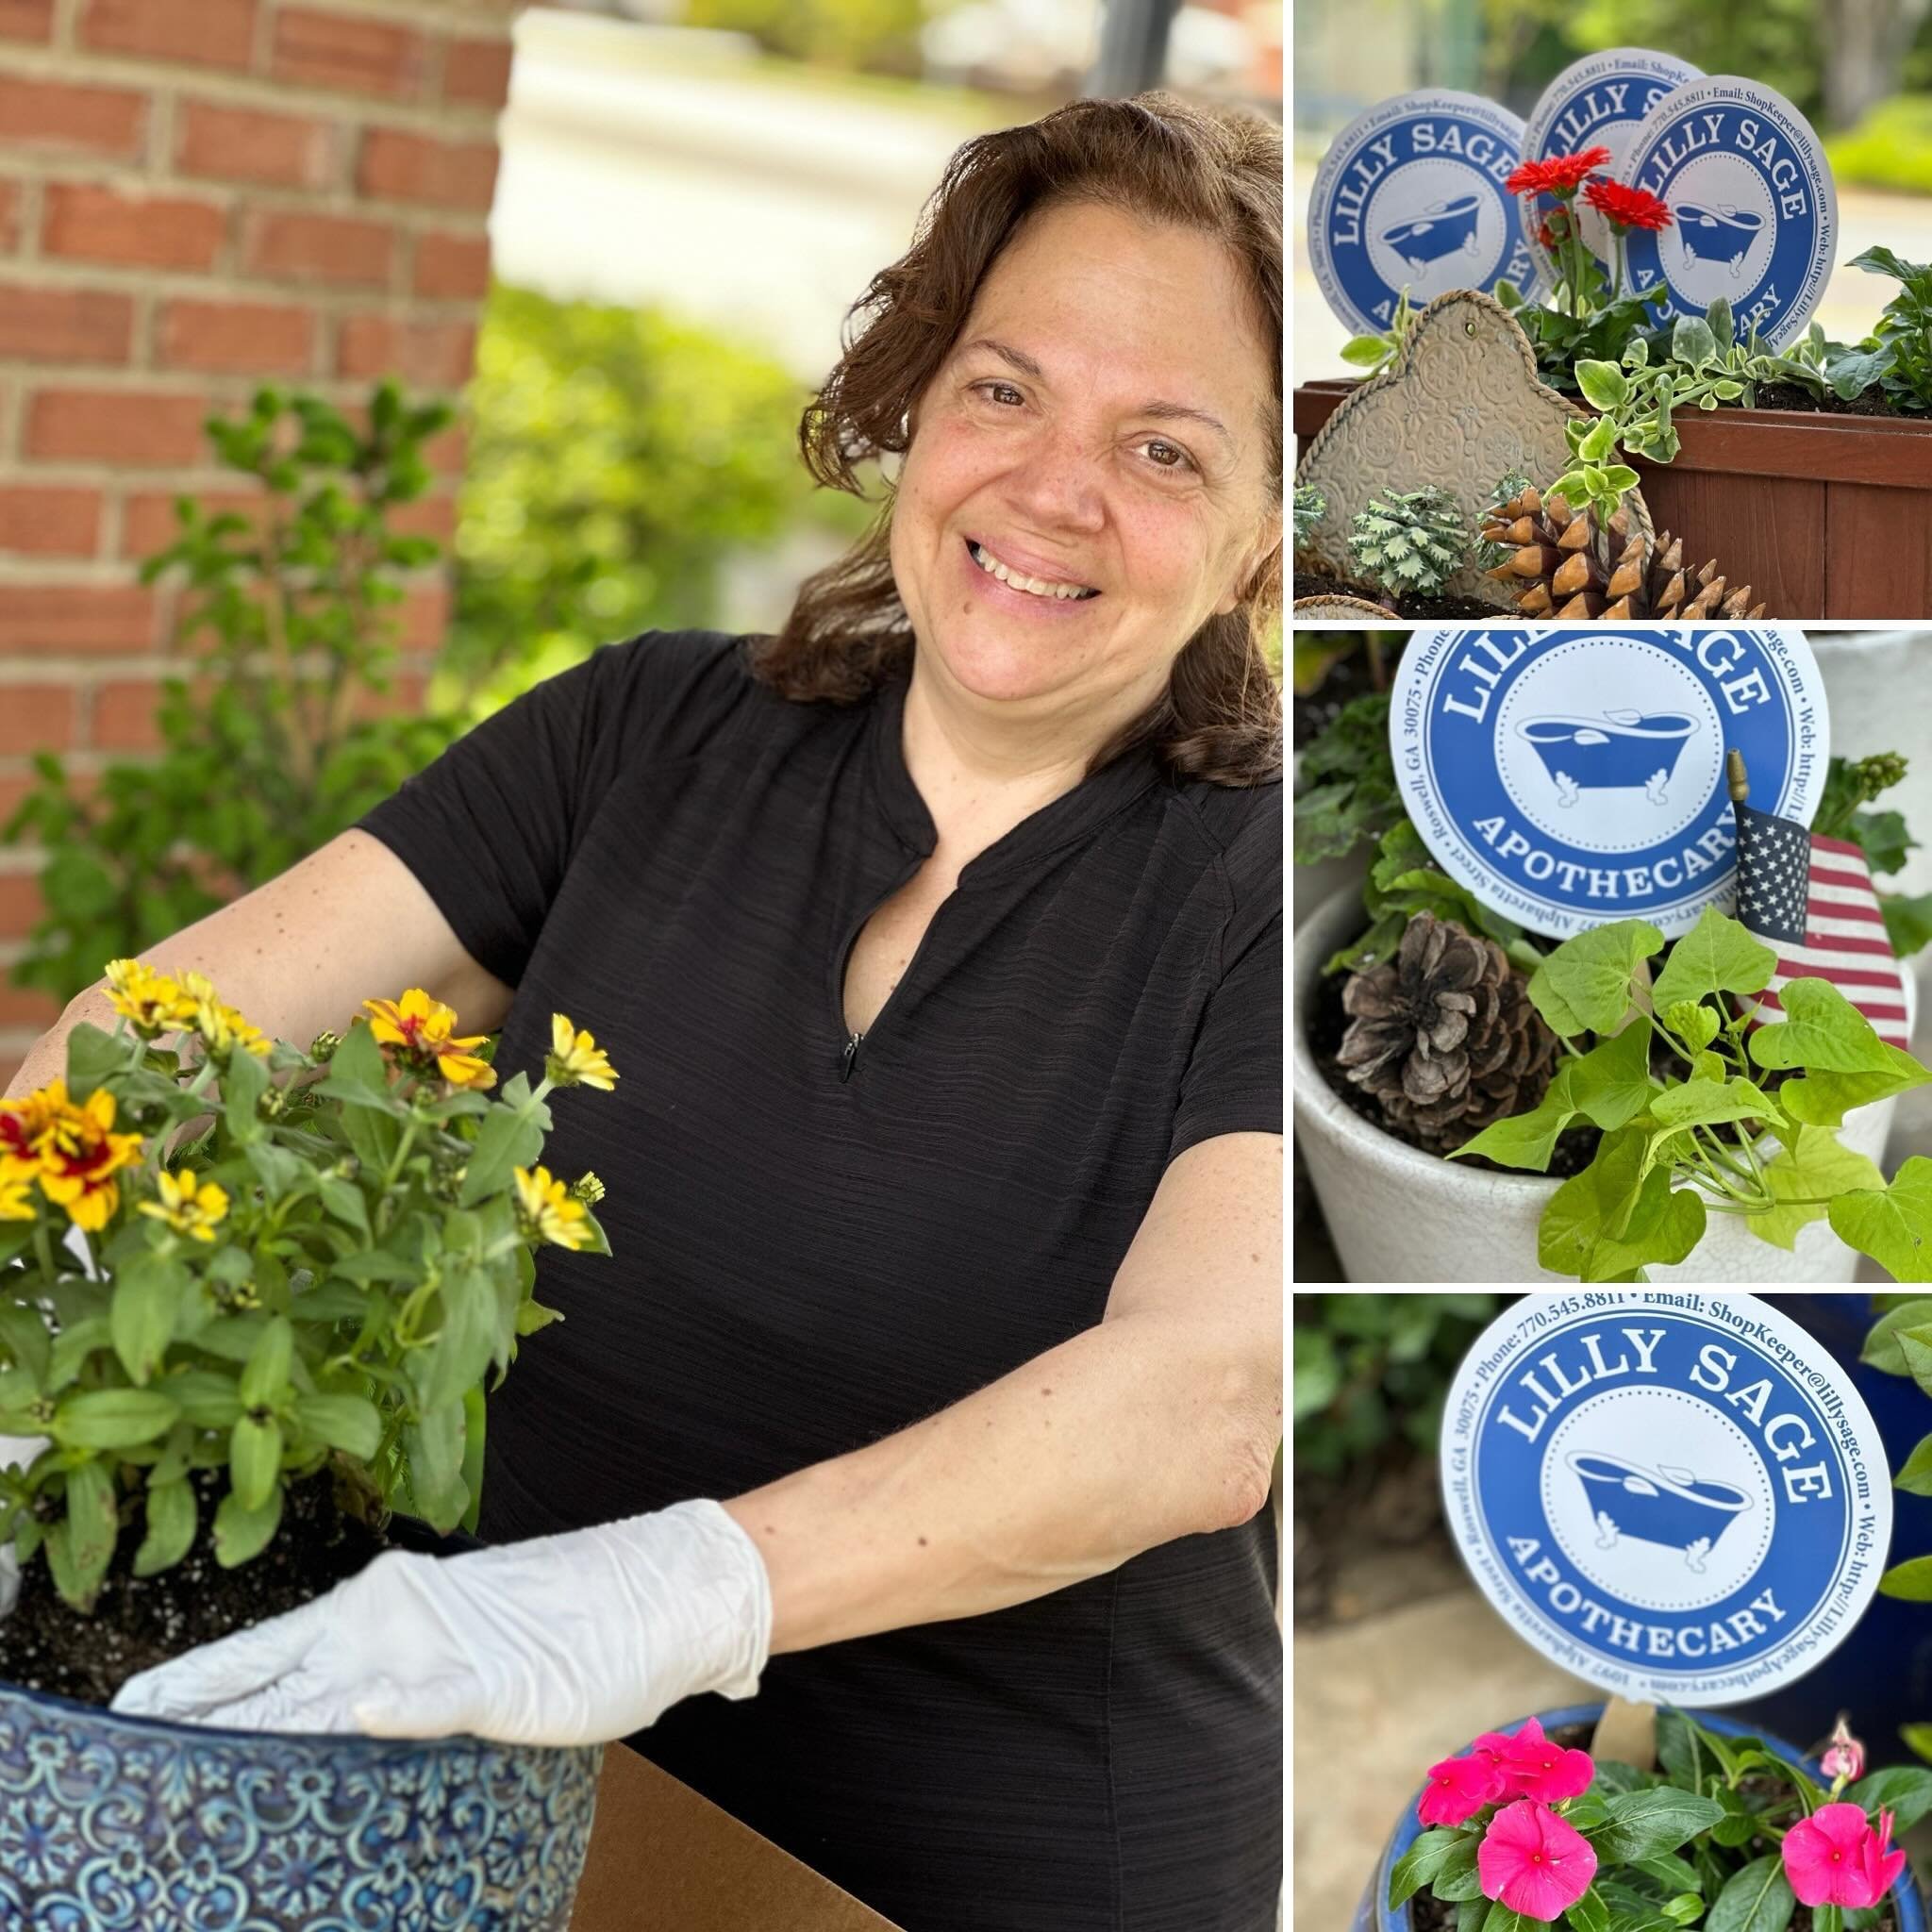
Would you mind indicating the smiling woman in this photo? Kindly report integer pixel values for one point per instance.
(926, 1407)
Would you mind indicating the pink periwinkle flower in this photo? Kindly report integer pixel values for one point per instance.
(1844, 1756)
(1532, 1767)
(1537, 1863)
(1459, 1788)
(1835, 1858)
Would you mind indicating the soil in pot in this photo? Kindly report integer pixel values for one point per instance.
(1426, 1914)
(141, 1621)
(1408, 605)
(1787, 395)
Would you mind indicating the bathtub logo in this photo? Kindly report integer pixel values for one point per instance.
(1626, 748)
(1410, 195)
(1676, 1495)
(1572, 776)
(1599, 101)
(1754, 209)
(1672, 1506)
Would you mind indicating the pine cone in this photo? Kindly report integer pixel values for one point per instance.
(1410, 540)
(1445, 1036)
(1577, 565)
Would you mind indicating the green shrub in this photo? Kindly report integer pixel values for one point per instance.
(1891, 147)
(1372, 1367)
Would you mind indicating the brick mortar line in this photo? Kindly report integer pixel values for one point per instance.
(86, 170)
(226, 88)
(114, 278)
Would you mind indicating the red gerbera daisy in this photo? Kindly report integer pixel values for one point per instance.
(1556, 173)
(1627, 207)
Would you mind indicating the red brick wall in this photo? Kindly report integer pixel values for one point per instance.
(196, 196)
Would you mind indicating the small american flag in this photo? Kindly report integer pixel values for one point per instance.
(1812, 902)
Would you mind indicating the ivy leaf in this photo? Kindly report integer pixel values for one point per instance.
(1584, 985)
(1891, 1225)
(1690, 1019)
(1815, 1163)
(1717, 955)
(1821, 1029)
(1613, 1218)
(1710, 1103)
(1609, 1085)
(1824, 1099)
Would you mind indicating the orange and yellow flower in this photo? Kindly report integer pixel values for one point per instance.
(188, 1205)
(423, 1032)
(151, 1000)
(547, 1210)
(73, 1151)
(16, 1194)
(575, 1060)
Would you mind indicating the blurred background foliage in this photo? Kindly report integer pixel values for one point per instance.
(1371, 1370)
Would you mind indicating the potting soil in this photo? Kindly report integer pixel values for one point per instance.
(1787, 395)
(139, 1622)
(1409, 604)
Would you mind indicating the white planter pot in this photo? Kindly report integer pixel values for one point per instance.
(1398, 1214)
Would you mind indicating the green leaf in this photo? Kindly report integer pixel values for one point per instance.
(435, 1449)
(1691, 1021)
(1910, 1580)
(1918, 1738)
(1620, 478)
(347, 1423)
(1903, 1790)
(512, 1134)
(1915, 1478)
(112, 1417)
(1457, 1879)
(466, 1340)
(1589, 1914)
(1317, 1371)
(244, 1083)
(92, 1056)
(255, 1461)
(1825, 1099)
(1757, 1898)
(241, 1533)
(1907, 921)
(1585, 985)
(1604, 385)
(1692, 341)
(1615, 1216)
(1598, 440)
(1816, 1165)
(1503, 1919)
(1892, 1225)
(1707, 1102)
(147, 1299)
(171, 1524)
(265, 1375)
(1822, 1030)
(1717, 955)
(93, 1524)
(344, 1199)
(1643, 1823)
(206, 1397)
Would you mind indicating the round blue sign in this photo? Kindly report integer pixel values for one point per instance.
(1753, 213)
(1678, 1496)
(1599, 101)
(1571, 776)
(1410, 195)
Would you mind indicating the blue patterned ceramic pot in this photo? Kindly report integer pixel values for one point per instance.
(1373, 1915)
(112, 1823)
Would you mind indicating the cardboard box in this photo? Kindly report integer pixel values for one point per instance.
(664, 1859)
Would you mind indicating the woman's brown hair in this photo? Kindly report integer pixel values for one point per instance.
(1217, 171)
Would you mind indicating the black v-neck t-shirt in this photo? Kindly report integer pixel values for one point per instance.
(813, 1249)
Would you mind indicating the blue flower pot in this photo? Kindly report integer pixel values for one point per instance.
(1881, 1674)
(110, 1823)
(1373, 1915)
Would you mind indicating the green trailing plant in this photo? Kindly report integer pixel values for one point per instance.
(1370, 1370)
(1371, 353)
(1900, 1343)
(1903, 340)
(1346, 780)
(1707, 1136)
(1601, 332)
(291, 613)
(1410, 540)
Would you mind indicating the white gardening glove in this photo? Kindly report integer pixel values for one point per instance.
(577, 1639)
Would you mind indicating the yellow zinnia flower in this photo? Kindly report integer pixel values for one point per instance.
(220, 1027)
(80, 1154)
(546, 1210)
(575, 1060)
(423, 1031)
(188, 1205)
(153, 1001)
(16, 1196)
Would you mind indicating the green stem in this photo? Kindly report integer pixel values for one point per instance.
(1669, 1038)
(1718, 1153)
(44, 1247)
(1617, 234)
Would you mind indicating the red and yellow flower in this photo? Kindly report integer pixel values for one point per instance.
(418, 1034)
(73, 1151)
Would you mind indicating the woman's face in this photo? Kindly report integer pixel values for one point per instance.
(1052, 459)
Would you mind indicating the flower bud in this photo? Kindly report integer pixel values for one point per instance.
(1844, 1756)
(323, 1047)
(587, 1189)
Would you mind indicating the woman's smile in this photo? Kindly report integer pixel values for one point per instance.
(1004, 597)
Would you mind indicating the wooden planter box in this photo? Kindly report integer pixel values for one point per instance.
(1824, 516)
